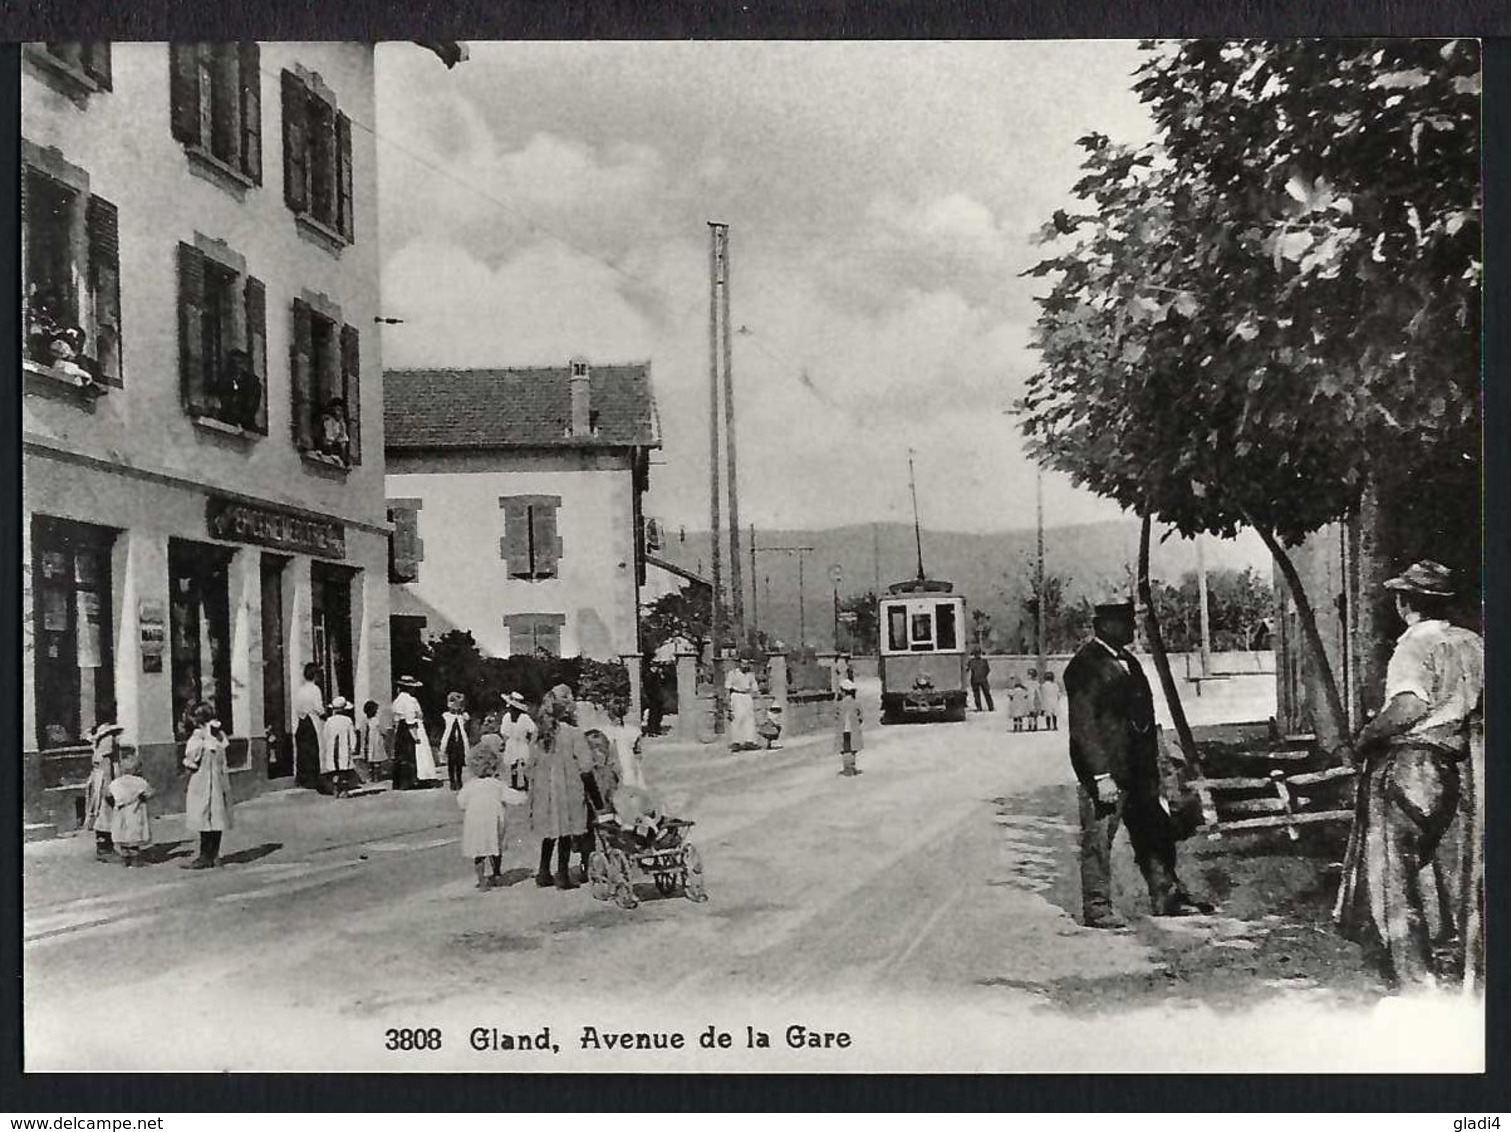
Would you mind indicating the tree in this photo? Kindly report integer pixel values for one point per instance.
(1237, 602)
(862, 633)
(1067, 618)
(981, 629)
(686, 613)
(1275, 304)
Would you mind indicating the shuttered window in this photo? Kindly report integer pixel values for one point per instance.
(325, 376)
(317, 157)
(531, 545)
(406, 550)
(535, 634)
(82, 66)
(222, 342)
(71, 277)
(216, 104)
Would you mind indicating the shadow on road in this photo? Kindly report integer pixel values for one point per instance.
(255, 853)
(164, 851)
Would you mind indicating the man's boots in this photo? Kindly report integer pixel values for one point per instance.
(563, 862)
(543, 874)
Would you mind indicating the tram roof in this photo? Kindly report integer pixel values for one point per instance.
(922, 586)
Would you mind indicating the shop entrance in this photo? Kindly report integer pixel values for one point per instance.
(200, 628)
(275, 701)
(71, 619)
(331, 606)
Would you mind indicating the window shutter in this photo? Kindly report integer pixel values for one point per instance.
(103, 224)
(191, 315)
(344, 218)
(547, 637)
(96, 63)
(251, 111)
(225, 104)
(514, 547)
(351, 375)
(543, 522)
(255, 298)
(183, 64)
(301, 377)
(295, 143)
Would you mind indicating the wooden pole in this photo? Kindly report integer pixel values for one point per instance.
(1039, 576)
(714, 525)
(1206, 623)
(736, 582)
(755, 619)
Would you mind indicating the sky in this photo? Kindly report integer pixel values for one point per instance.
(547, 200)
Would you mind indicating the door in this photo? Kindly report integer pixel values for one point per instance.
(331, 602)
(275, 703)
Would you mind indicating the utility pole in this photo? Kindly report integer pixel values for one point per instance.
(835, 575)
(736, 582)
(717, 629)
(755, 620)
(1201, 591)
(1039, 573)
(876, 558)
(802, 552)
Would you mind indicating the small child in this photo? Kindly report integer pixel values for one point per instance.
(771, 727)
(851, 741)
(481, 801)
(454, 744)
(340, 747)
(371, 753)
(130, 824)
(1017, 703)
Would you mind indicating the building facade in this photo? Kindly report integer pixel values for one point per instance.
(515, 496)
(202, 414)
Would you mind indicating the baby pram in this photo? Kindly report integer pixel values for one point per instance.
(658, 849)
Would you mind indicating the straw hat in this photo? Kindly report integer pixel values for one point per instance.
(105, 729)
(408, 682)
(1429, 578)
(515, 700)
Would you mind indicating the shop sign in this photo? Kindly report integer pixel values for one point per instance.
(151, 624)
(265, 525)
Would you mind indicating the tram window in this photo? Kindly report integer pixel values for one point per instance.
(944, 620)
(922, 633)
(897, 628)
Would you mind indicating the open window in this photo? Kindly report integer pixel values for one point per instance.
(317, 157)
(216, 99)
(222, 318)
(326, 379)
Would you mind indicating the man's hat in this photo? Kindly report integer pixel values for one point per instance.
(1426, 577)
(1114, 609)
(408, 682)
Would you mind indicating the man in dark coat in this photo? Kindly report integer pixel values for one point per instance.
(1113, 751)
(981, 671)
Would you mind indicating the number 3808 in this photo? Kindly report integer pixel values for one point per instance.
(413, 1039)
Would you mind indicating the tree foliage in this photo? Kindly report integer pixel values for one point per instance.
(1274, 303)
(686, 613)
(1238, 601)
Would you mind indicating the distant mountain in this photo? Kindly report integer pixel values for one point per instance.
(984, 567)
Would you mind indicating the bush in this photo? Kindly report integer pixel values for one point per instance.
(454, 663)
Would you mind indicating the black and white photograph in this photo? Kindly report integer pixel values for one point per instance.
(739, 557)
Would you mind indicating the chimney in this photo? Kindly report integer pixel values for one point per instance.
(582, 409)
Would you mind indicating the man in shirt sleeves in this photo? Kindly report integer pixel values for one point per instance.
(1412, 782)
(1114, 752)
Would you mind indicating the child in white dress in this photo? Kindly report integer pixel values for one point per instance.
(481, 800)
(130, 824)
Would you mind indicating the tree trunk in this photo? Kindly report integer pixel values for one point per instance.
(1334, 728)
(1157, 649)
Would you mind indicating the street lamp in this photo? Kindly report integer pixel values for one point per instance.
(835, 575)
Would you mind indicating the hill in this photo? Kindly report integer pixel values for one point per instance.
(987, 568)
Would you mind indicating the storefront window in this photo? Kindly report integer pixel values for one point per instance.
(71, 614)
(201, 630)
(331, 606)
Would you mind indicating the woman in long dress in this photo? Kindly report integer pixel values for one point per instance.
(309, 711)
(561, 782)
(742, 688)
(207, 801)
(413, 761)
(106, 761)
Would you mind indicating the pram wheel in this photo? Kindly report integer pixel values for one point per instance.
(666, 883)
(619, 879)
(598, 875)
(692, 876)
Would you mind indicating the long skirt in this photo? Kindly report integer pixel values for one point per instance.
(403, 758)
(1401, 884)
(742, 727)
(306, 753)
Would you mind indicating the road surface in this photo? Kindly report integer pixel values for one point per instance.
(926, 910)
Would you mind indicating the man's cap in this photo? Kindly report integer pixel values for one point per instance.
(1114, 609)
(1429, 578)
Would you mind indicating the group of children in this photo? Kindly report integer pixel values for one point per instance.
(1026, 706)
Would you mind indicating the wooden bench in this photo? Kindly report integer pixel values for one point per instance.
(1277, 801)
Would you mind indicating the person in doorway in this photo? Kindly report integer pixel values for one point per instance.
(482, 804)
(309, 714)
(652, 692)
(130, 823)
(414, 765)
(1114, 754)
(371, 753)
(454, 741)
(849, 739)
(105, 759)
(1049, 701)
(741, 686)
(980, 670)
(1414, 753)
(1017, 703)
(338, 750)
(518, 731)
(561, 783)
(207, 800)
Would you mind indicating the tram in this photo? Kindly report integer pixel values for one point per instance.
(921, 651)
(922, 661)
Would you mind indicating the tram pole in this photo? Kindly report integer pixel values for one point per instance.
(714, 525)
(736, 582)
